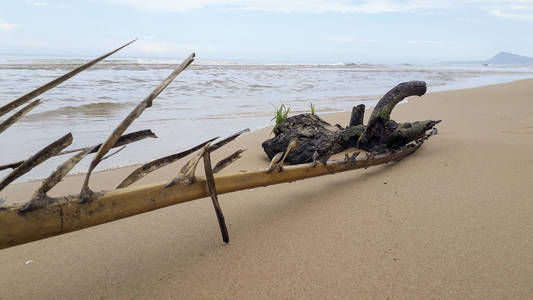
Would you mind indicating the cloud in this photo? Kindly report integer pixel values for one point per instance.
(47, 4)
(497, 8)
(40, 3)
(156, 47)
(348, 40)
(429, 43)
(286, 6)
(7, 26)
(516, 12)
(29, 44)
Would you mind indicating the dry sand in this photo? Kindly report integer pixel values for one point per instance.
(454, 220)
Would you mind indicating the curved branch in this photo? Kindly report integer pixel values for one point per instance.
(381, 113)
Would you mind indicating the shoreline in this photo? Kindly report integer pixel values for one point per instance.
(207, 101)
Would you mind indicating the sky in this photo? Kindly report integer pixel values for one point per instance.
(291, 31)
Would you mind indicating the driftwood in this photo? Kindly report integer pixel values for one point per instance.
(298, 139)
(357, 116)
(68, 214)
(317, 139)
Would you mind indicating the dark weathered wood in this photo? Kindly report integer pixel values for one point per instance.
(210, 179)
(312, 135)
(317, 140)
(19, 114)
(18, 102)
(123, 140)
(223, 163)
(230, 138)
(37, 159)
(357, 116)
(86, 192)
(157, 164)
(381, 113)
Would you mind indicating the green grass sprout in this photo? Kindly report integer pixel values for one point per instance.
(281, 113)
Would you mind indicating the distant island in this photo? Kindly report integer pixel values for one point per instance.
(504, 58)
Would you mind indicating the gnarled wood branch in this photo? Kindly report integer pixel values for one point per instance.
(381, 113)
(315, 136)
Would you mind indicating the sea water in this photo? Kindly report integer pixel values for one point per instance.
(208, 99)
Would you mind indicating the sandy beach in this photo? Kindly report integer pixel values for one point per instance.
(454, 220)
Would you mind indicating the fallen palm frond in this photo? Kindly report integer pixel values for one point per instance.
(44, 216)
(68, 214)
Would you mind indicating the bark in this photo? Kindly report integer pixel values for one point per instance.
(311, 134)
(315, 137)
(358, 113)
(378, 125)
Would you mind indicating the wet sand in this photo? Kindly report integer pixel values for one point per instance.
(454, 220)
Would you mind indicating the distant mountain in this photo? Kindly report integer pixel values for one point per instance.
(505, 58)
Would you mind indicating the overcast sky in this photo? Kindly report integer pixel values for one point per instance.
(380, 31)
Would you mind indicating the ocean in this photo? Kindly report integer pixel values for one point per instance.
(208, 99)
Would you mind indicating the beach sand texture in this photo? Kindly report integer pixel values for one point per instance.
(454, 220)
